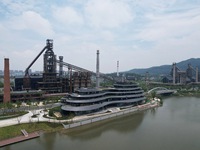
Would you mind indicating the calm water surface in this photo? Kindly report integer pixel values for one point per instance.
(174, 126)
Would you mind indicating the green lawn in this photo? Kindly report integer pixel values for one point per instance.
(12, 115)
(13, 131)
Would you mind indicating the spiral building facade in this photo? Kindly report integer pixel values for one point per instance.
(85, 101)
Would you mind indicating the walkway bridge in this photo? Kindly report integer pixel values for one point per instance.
(161, 91)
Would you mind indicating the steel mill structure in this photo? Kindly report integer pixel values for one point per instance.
(178, 76)
(51, 81)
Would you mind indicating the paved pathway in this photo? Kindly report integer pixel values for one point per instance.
(28, 119)
(24, 119)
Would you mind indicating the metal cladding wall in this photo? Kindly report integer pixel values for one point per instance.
(6, 97)
(81, 79)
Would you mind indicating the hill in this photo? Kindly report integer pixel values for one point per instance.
(165, 69)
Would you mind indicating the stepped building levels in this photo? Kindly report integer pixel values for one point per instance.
(85, 100)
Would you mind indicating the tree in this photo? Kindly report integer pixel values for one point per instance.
(2, 105)
(1, 84)
(153, 94)
(18, 103)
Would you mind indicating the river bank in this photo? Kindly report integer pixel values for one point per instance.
(173, 126)
(15, 130)
(113, 114)
(187, 93)
(55, 125)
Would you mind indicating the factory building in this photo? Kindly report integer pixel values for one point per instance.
(178, 76)
(34, 86)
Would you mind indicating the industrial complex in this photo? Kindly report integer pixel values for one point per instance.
(178, 76)
(52, 81)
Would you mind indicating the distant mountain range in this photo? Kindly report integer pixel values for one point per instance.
(165, 69)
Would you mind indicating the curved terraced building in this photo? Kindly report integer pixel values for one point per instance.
(85, 101)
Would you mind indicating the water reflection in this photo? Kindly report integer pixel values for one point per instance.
(175, 125)
(184, 108)
(7, 148)
(47, 138)
(153, 111)
(122, 125)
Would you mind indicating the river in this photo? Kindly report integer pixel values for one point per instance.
(174, 126)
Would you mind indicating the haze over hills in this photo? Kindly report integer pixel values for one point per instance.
(165, 69)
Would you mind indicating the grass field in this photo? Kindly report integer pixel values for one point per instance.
(12, 115)
(13, 131)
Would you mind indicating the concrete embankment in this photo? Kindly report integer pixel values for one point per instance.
(101, 116)
(76, 122)
(89, 120)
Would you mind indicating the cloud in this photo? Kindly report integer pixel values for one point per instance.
(2, 28)
(27, 54)
(24, 58)
(173, 36)
(157, 5)
(138, 33)
(108, 13)
(2, 53)
(13, 7)
(67, 15)
(107, 35)
(33, 21)
(173, 25)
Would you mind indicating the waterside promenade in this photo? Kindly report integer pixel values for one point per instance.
(113, 112)
(70, 123)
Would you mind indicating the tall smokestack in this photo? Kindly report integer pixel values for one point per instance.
(197, 74)
(97, 70)
(174, 73)
(117, 68)
(6, 97)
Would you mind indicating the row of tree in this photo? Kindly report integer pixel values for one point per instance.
(1, 84)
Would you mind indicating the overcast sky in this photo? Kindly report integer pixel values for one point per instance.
(138, 33)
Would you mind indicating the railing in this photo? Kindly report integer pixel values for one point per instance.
(104, 117)
(71, 123)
